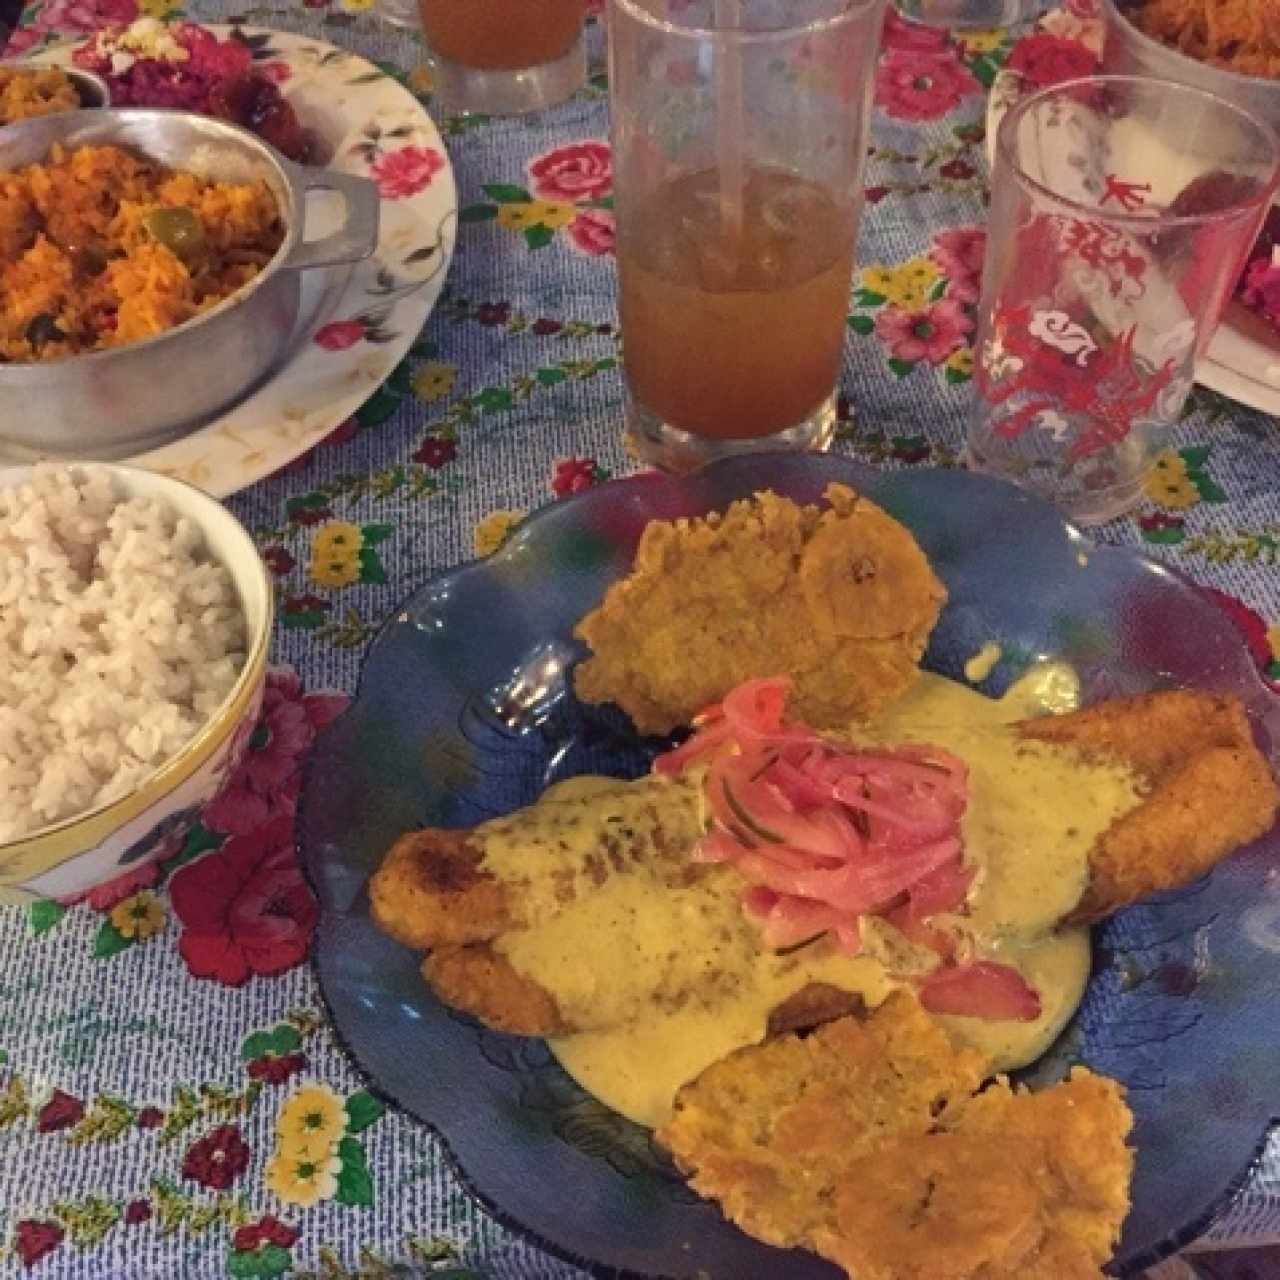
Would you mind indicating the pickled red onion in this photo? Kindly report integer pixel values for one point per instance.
(825, 832)
(980, 990)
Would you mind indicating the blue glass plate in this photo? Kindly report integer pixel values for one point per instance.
(465, 711)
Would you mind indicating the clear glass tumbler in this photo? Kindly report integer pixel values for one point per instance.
(1122, 210)
(505, 57)
(981, 14)
(739, 139)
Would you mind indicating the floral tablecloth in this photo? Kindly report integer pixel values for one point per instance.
(162, 1042)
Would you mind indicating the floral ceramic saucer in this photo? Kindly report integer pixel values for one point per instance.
(1243, 360)
(356, 323)
(458, 720)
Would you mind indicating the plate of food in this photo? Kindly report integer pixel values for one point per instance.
(1232, 55)
(704, 907)
(318, 106)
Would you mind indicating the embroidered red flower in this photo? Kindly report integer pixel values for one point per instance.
(594, 231)
(217, 1159)
(405, 171)
(276, 1068)
(62, 1111)
(33, 1240)
(149, 1118)
(268, 780)
(922, 86)
(573, 475)
(493, 313)
(436, 452)
(544, 328)
(278, 560)
(875, 194)
(246, 908)
(267, 1230)
(137, 1212)
(338, 335)
(580, 171)
(1046, 59)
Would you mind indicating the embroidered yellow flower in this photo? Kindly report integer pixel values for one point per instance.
(312, 1120)
(961, 360)
(155, 8)
(494, 530)
(434, 380)
(976, 42)
(421, 80)
(518, 215)
(1273, 642)
(908, 285)
(357, 6)
(337, 540)
(552, 214)
(302, 1180)
(339, 571)
(1169, 485)
(141, 916)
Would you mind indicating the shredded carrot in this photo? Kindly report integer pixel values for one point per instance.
(1240, 35)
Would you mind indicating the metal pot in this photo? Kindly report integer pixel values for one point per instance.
(114, 403)
(1129, 51)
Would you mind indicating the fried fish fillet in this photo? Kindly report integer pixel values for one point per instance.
(867, 1142)
(1210, 791)
(842, 599)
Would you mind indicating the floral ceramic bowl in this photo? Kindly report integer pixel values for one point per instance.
(70, 857)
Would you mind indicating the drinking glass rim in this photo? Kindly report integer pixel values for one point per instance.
(1004, 149)
(852, 9)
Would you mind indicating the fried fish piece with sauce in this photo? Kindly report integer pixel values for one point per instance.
(865, 1142)
(1210, 790)
(842, 600)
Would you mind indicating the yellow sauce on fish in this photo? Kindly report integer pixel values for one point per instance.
(676, 989)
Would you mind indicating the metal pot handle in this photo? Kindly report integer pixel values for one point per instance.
(357, 238)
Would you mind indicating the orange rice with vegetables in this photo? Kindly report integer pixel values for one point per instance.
(1240, 35)
(100, 248)
(35, 91)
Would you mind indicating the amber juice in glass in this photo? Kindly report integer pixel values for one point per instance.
(505, 57)
(739, 131)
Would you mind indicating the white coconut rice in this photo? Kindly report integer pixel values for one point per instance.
(119, 637)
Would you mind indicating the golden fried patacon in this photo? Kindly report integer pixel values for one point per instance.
(841, 599)
(867, 1143)
(1211, 790)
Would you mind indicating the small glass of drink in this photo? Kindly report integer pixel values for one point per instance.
(739, 131)
(1122, 212)
(505, 57)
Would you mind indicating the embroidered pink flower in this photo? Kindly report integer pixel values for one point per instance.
(959, 252)
(338, 335)
(105, 896)
(922, 86)
(573, 475)
(246, 908)
(899, 33)
(435, 452)
(405, 171)
(62, 1111)
(580, 171)
(1045, 59)
(931, 333)
(594, 231)
(217, 1159)
(268, 780)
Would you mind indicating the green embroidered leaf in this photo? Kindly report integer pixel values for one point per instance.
(13, 1102)
(605, 363)
(43, 915)
(301, 621)
(87, 1220)
(1195, 457)
(984, 70)
(107, 1119)
(1167, 537)
(493, 399)
(110, 941)
(549, 377)
(182, 1115)
(280, 1040)
(869, 298)
(371, 569)
(1205, 486)
(506, 193)
(957, 376)
(268, 1261)
(901, 367)
(362, 1110)
(375, 533)
(478, 213)
(862, 324)
(307, 502)
(538, 236)
(355, 1186)
(938, 290)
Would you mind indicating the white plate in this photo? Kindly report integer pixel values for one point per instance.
(361, 116)
(1243, 360)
